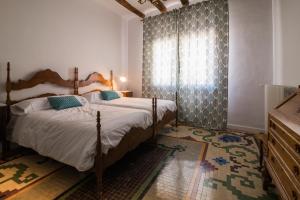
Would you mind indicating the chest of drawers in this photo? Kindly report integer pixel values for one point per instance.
(283, 153)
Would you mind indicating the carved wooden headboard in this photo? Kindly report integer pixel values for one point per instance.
(41, 77)
(94, 77)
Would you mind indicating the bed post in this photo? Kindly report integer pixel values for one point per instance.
(76, 83)
(98, 160)
(155, 112)
(8, 85)
(176, 120)
(5, 143)
(112, 79)
(154, 115)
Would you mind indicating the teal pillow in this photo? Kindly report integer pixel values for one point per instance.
(63, 102)
(109, 95)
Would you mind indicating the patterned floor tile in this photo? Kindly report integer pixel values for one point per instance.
(235, 156)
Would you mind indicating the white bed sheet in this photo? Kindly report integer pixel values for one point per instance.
(69, 136)
(142, 103)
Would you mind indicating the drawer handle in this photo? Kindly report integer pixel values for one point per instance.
(294, 195)
(296, 171)
(297, 147)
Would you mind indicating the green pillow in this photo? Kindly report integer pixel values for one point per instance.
(109, 95)
(63, 102)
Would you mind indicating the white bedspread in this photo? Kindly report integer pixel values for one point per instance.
(69, 136)
(143, 103)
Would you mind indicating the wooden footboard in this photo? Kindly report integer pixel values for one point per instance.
(131, 140)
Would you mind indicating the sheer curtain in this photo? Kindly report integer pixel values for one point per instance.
(191, 58)
(203, 64)
(160, 56)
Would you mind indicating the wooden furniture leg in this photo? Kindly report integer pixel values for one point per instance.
(262, 139)
(98, 160)
(266, 179)
(154, 115)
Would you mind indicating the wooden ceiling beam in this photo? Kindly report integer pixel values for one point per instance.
(185, 2)
(129, 7)
(159, 5)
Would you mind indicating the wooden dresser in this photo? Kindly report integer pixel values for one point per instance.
(282, 160)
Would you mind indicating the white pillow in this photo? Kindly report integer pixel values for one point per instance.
(81, 99)
(93, 97)
(30, 105)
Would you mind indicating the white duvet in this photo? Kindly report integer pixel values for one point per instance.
(142, 103)
(69, 136)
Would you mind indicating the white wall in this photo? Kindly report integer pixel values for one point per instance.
(135, 56)
(59, 34)
(250, 65)
(286, 15)
(250, 61)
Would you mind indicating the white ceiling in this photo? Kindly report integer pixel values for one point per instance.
(147, 8)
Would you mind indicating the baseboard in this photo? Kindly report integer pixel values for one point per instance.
(245, 128)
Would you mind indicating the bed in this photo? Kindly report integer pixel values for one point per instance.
(82, 137)
(166, 109)
(59, 134)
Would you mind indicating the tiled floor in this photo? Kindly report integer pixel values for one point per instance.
(228, 170)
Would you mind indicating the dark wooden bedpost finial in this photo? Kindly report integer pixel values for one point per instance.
(5, 143)
(8, 85)
(98, 160)
(76, 82)
(112, 79)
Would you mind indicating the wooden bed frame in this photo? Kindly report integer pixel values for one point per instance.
(129, 142)
(96, 77)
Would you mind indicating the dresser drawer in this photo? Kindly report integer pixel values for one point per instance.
(290, 163)
(289, 188)
(287, 139)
